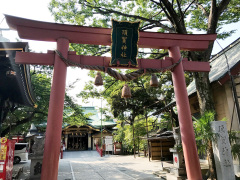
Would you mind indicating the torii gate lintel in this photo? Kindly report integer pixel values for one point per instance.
(65, 34)
(48, 59)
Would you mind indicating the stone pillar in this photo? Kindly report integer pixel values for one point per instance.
(36, 158)
(66, 141)
(89, 141)
(179, 170)
(222, 151)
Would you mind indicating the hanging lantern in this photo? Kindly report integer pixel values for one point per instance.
(98, 79)
(126, 92)
(154, 81)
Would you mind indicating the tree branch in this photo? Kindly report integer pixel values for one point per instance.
(180, 9)
(188, 6)
(167, 14)
(222, 6)
(102, 52)
(27, 119)
(179, 25)
(110, 11)
(205, 13)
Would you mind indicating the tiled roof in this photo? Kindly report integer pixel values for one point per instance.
(219, 64)
(94, 120)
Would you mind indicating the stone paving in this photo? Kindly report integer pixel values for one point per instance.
(88, 165)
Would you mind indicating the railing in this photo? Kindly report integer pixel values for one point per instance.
(99, 150)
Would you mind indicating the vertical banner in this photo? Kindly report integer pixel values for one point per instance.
(124, 43)
(6, 158)
(109, 143)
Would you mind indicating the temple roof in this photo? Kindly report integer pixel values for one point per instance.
(94, 120)
(15, 84)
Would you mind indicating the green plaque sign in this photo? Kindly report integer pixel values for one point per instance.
(124, 43)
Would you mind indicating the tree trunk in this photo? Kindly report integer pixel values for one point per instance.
(205, 97)
(148, 148)
(204, 92)
(138, 147)
(134, 150)
(211, 162)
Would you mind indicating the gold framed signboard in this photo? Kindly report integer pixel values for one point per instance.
(124, 43)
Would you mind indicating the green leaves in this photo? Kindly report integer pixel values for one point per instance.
(203, 131)
(235, 143)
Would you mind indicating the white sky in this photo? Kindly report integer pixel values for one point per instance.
(38, 10)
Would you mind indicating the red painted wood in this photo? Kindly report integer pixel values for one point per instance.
(34, 58)
(196, 66)
(48, 59)
(185, 119)
(37, 30)
(55, 115)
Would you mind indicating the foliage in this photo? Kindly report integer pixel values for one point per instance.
(166, 121)
(73, 114)
(163, 16)
(234, 138)
(203, 131)
(23, 116)
(124, 133)
(204, 137)
(144, 101)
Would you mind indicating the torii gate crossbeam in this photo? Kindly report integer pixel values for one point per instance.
(65, 34)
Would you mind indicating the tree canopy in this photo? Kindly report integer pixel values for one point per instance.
(21, 117)
(184, 17)
(161, 16)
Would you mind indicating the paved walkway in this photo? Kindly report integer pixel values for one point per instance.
(88, 165)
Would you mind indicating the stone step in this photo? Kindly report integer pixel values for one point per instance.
(178, 171)
(161, 174)
(170, 176)
(17, 172)
(167, 169)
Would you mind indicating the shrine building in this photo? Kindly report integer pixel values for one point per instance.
(86, 137)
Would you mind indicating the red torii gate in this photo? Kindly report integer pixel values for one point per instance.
(65, 34)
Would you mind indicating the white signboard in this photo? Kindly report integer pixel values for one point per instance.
(222, 152)
(109, 143)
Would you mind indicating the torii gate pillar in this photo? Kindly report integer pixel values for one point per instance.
(55, 115)
(185, 120)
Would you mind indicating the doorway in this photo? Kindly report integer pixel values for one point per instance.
(77, 142)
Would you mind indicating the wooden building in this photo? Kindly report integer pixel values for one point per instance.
(159, 144)
(227, 60)
(88, 136)
(15, 84)
(222, 86)
(159, 147)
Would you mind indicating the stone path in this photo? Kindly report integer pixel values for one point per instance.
(88, 165)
